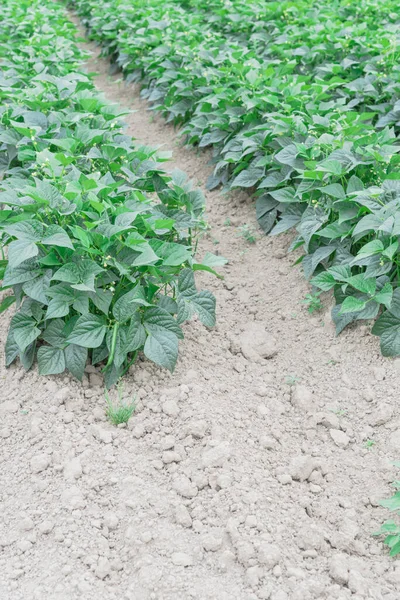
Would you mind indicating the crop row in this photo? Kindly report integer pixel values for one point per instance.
(300, 105)
(97, 239)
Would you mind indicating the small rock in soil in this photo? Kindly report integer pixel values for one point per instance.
(301, 467)
(216, 456)
(181, 559)
(268, 555)
(256, 343)
(184, 487)
(40, 463)
(339, 437)
(303, 398)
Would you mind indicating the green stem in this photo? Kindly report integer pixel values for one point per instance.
(134, 355)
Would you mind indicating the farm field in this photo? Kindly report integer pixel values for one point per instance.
(255, 470)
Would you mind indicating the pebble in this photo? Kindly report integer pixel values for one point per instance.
(40, 463)
(103, 567)
(96, 380)
(5, 432)
(102, 435)
(67, 417)
(197, 428)
(184, 487)
(169, 456)
(328, 420)
(9, 406)
(182, 516)
(268, 555)
(46, 527)
(62, 396)
(339, 437)
(211, 542)
(170, 408)
(303, 398)
(111, 520)
(216, 456)
(73, 469)
(379, 373)
(284, 478)
(256, 343)
(267, 442)
(25, 523)
(182, 559)
(72, 498)
(381, 415)
(302, 466)
(168, 442)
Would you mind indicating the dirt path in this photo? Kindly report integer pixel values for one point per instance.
(238, 478)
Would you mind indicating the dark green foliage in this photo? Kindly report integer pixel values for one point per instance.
(299, 101)
(99, 239)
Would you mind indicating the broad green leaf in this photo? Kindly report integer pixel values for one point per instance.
(158, 317)
(126, 306)
(51, 360)
(385, 295)
(89, 331)
(75, 360)
(57, 236)
(24, 330)
(352, 304)
(161, 347)
(21, 250)
(6, 303)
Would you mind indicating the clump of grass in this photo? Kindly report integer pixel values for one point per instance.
(119, 411)
(248, 233)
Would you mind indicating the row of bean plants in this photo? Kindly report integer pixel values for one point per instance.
(300, 103)
(97, 240)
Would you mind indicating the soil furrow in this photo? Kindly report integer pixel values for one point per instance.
(244, 475)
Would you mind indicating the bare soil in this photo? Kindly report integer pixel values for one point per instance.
(239, 477)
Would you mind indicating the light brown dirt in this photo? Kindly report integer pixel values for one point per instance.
(239, 477)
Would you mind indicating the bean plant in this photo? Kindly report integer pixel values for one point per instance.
(97, 240)
(299, 102)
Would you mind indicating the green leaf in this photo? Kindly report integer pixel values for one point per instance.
(335, 190)
(126, 306)
(161, 347)
(75, 360)
(68, 273)
(158, 317)
(248, 178)
(37, 288)
(385, 295)
(21, 250)
(51, 361)
(53, 334)
(392, 503)
(57, 236)
(24, 330)
(374, 247)
(363, 284)
(57, 308)
(11, 349)
(28, 356)
(324, 281)
(6, 303)
(352, 304)
(89, 331)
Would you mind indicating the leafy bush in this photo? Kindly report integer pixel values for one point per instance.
(390, 529)
(100, 240)
(299, 101)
